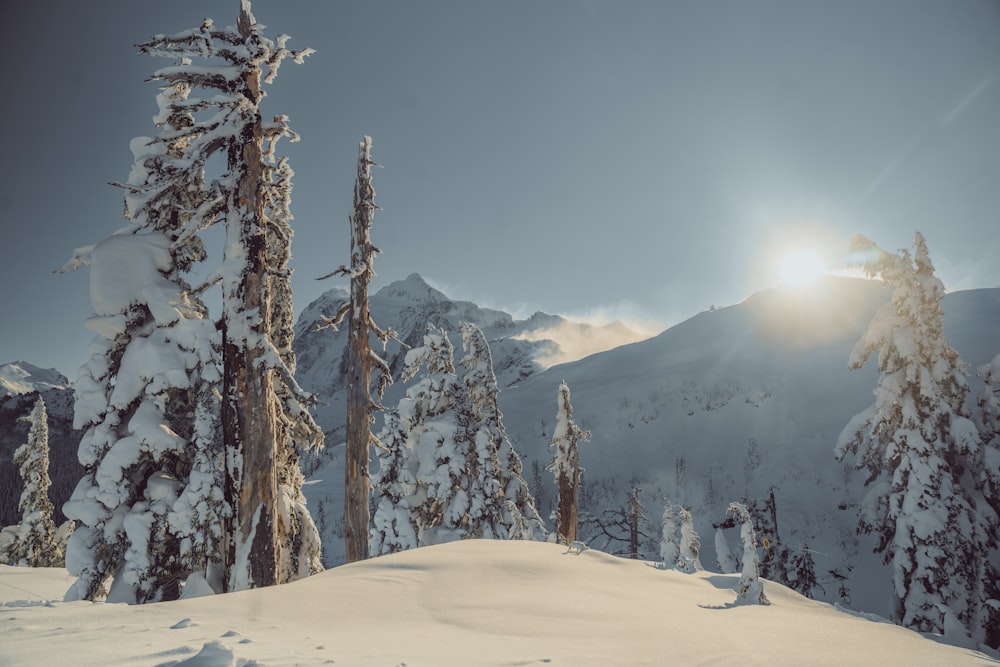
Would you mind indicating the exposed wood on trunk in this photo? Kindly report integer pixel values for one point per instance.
(248, 410)
(357, 484)
(568, 508)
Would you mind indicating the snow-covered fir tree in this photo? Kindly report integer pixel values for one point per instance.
(394, 486)
(495, 460)
(436, 449)
(987, 472)
(802, 572)
(155, 506)
(565, 466)
(919, 448)
(751, 590)
(447, 470)
(670, 536)
(149, 507)
(271, 537)
(690, 546)
(136, 400)
(35, 541)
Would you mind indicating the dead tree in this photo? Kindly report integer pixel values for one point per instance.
(627, 524)
(361, 360)
(565, 466)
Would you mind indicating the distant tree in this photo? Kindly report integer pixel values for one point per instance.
(360, 361)
(723, 554)
(565, 466)
(751, 591)
(802, 573)
(36, 542)
(626, 525)
(774, 565)
(916, 445)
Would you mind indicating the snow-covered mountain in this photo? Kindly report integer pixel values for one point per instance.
(20, 377)
(20, 385)
(725, 406)
(519, 347)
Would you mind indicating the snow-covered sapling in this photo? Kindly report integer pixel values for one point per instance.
(690, 546)
(670, 536)
(751, 590)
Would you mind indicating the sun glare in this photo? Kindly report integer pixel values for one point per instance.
(801, 267)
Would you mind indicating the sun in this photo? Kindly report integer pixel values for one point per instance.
(801, 267)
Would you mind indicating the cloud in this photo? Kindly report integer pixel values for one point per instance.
(582, 335)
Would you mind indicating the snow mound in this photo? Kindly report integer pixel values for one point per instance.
(474, 602)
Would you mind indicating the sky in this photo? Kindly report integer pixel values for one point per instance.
(639, 161)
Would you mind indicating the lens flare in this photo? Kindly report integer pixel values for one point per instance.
(801, 267)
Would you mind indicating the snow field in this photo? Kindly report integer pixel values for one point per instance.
(474, 602)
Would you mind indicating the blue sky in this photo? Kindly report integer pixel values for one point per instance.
(642, 160)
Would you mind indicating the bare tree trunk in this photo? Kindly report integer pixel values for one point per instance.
(249, 415)
(568, 505)
(357, 484)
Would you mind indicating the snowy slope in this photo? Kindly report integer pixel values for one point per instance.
(733, 402)
(724, 407)
(464, 604)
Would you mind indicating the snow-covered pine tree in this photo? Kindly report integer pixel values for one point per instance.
(751, 590)
(153, 503)
(150, 505)
(670, 536)
(987, 471)
(917, 446)
(263, 411)
(37, 542)
(141, 401)
(394, 487)
(989, 419)
(690, 546)
(436, 448)
(496, 463)
(360, 361)
(565, 466)
(802, 574)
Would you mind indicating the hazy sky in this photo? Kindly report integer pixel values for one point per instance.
(642, 160)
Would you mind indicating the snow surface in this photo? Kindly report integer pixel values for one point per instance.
(473, 602)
